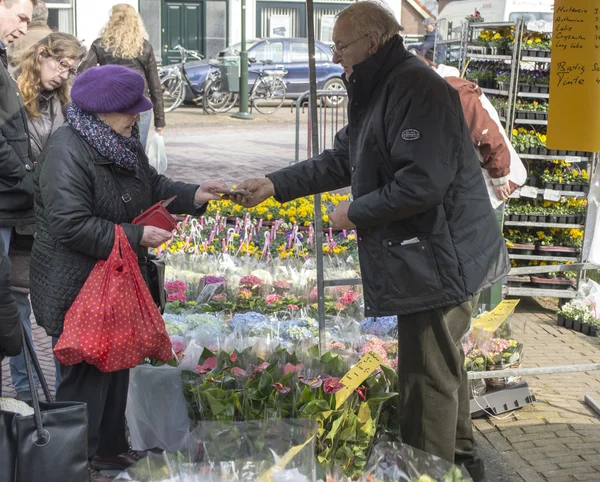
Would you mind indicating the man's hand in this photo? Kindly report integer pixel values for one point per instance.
(154, 237)
(502, 191)
(339, 217)
(208, 191)
(159, 130)
(260, 188)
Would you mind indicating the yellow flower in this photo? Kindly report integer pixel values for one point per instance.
(529, 42)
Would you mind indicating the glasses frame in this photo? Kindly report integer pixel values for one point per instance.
(63, 67)
(341, 50)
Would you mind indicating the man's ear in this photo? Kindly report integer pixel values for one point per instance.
(374, 42)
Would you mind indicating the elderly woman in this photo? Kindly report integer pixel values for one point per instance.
(94, 174)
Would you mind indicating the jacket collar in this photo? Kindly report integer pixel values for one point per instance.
(367, 75)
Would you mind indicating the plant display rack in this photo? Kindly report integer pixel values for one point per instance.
(520, 92)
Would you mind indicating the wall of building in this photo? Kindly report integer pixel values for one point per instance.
(91, 15)
(411, 20)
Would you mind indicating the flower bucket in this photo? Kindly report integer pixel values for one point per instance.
(499, 383)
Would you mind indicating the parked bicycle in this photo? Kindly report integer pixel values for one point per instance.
(175, 78)
(266, 94)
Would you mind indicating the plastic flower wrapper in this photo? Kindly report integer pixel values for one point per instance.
(475, 361)
(382, 327)
(264, 451)
(208, 330)
(397, 462)
(211, 286)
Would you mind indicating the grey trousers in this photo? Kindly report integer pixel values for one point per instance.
(434, 406)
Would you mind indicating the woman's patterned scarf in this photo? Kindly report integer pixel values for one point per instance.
(123, 151)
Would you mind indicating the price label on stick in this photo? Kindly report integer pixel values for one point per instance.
(574, 159)
(552, 195)
(528, 191)
(357, 374)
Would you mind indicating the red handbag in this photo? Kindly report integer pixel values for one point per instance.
(113, 323)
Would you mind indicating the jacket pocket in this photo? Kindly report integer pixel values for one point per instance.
(411, 269)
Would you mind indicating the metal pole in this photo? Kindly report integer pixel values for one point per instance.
(243, 110)
(513, 372)
(312, 112)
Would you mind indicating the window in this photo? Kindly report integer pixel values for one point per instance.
(271, 51)
(299, 52)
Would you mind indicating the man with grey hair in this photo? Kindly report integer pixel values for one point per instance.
(38, 29)
(428, 239)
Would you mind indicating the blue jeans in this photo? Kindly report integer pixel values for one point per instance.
(144, 126)
(18, 370)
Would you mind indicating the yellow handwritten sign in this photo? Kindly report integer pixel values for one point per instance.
(492, 320)
(357, 374)
(573, 117)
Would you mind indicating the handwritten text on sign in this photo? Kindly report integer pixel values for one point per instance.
(575, 76)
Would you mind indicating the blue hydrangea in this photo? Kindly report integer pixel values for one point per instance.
(175, 324)
(382, 326)
(242, 323)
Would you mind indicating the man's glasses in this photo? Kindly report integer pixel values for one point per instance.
(63, 67)
(340, 50)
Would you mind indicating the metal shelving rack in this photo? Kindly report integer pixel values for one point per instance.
(517, 59)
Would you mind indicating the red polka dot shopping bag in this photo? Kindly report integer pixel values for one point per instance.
(113, 323)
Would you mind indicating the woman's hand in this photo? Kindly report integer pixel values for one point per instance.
(159, 130)
(209, 191)
(154, 237)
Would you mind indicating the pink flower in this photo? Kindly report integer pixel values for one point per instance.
(272, 299)
(281, 388)
(233, 357)
(336, 344)
(314, 294)
(332, 385)
(282, 286)
(208, 365)
(292, 368)
(213, 280)
(252, 282)
(175, 287)
(219, 298)
(260, 368)
(311, 382)
(349, 297)
(178, 346)
(244, 294)
(180, 296)
(238, 372)
(339, 306)
(293, 307)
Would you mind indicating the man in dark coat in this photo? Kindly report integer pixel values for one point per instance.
(16, 165)
(428, 239)
(432, 36)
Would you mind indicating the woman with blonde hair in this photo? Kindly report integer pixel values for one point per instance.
(123, 41)
(43, 76)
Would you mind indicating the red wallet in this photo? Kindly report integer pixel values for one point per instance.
(158, 216)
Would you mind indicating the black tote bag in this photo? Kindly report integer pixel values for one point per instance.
(48, 446)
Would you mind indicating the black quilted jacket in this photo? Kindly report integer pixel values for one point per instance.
(79, 196)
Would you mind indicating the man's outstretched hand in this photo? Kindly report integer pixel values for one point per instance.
(257, 190)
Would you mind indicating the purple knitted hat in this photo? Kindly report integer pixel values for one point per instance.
(110, 88)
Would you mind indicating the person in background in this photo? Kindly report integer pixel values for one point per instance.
(503, 170)
(427, 48)
(37, 30)
(428, 240)
(92, 175)
(123, 41)
(44, 78)
(16, 164)
(10, 321)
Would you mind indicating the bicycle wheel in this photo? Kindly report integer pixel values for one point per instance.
(214, 100)
(268, 95)
(172, 92)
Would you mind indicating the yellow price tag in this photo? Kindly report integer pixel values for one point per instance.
(357, 374)
(492, 320)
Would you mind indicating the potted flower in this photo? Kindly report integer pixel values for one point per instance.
(502, 354)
